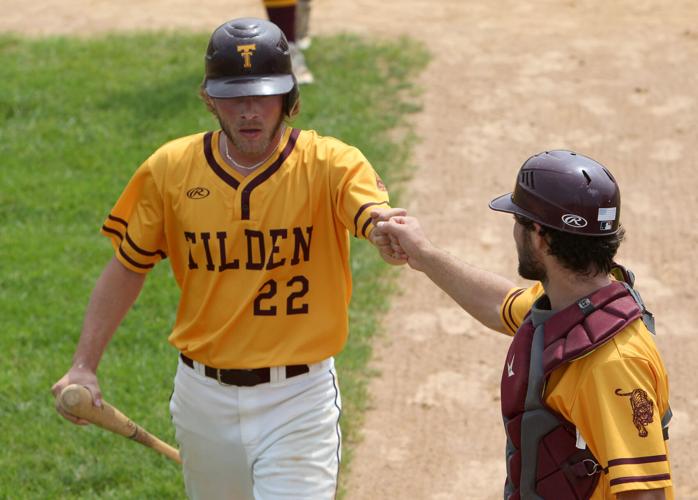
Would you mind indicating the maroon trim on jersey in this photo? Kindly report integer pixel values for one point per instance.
(361, 210)
(506, 309)
(638, 460)
(116, 219)
(125, 235)
(217, 169)
(640, 479)
(144, 252)
(133, 262)
(113, 231)
(245, 198)
(363, 229)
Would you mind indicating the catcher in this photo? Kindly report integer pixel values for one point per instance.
(584, 392)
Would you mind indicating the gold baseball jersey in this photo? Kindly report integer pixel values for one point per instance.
(262, 261)
(279, 3)
(616, 397)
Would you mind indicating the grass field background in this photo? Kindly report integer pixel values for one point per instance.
(76, 119)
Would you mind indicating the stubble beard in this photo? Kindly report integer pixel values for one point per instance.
(529, 267)
(245, 146)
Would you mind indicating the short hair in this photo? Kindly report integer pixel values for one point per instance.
(578, 253)
(205, 98)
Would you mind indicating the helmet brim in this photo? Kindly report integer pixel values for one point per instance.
(258, 85)
(505, 203)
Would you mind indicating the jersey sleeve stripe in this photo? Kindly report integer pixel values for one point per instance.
(133, 262)
(638, 460)
(363, 229)
(506, 310)
(113, 231)
(361, 210)
(217, 169)
(639, 479)
(129, 240)
(144, 252)
(511, 305)
(245, 198)
(117, 219)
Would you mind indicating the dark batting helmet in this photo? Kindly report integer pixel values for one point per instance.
(250, 57)
(565, 191)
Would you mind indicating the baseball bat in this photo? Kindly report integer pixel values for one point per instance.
(77, 400)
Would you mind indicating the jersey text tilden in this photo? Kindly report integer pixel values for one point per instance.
(275, 248)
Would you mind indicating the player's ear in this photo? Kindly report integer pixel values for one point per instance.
(206, 98)
(539, 236)
(293, 112)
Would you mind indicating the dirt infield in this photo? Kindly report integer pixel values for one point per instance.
(614, 80)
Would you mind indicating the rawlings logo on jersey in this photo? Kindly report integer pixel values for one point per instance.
(197, 193)
(246, 52)
(643, 409)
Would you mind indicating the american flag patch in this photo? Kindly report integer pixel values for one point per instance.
(607, 214)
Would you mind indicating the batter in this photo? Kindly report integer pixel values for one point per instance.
(255, 220)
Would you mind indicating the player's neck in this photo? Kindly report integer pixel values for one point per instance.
(566, 288)
(243, 163)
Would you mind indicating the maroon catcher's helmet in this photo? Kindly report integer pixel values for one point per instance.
(566, 191)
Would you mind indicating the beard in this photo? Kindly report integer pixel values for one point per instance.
(529, 267)
(246, 146)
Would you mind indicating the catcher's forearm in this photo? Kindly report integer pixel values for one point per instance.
(477, 291)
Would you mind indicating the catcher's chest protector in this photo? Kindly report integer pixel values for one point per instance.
(543, 460)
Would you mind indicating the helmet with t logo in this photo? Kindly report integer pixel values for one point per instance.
(250, 57)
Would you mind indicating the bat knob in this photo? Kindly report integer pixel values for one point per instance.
(73, 395)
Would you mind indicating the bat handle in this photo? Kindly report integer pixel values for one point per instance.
(145, 438)
(77, 400)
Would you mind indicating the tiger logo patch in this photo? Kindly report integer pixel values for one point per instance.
(643, 409)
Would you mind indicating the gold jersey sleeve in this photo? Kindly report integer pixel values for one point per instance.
(135, 223)
(262, 261)
(516, 305)
(279, 3)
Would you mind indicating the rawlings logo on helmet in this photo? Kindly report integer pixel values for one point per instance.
(574, 220)
(246, 52)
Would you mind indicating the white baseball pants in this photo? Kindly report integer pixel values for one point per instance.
(278, 440)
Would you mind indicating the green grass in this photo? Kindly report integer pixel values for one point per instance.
(76, 118)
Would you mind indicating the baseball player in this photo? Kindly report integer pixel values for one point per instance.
(255, 220)
(584, 391)
(292, 17)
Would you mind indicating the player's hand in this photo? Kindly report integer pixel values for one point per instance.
(387, 245)
(412, 244)
(80, 376)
